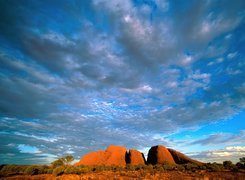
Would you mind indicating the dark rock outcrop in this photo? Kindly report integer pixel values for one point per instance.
(180, 158)
(159, 155)
(135, 157)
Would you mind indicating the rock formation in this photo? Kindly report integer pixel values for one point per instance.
(93, 158)
(159, 155)
(135, 157)
(180, 158)
(118, 155)
(113, 155)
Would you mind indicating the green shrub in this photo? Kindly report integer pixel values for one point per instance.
(38, 169)
(239, 165)
(32, 170)
(158, 167)
(59, 170)
(72, 170)
(57, 163)
(108, 168)
(149, 167)
(203, 167)
(99, 168)
(227, 164)
(180, 167)
(234, 169)
(191, 166)
(136, 167)
(50, 171)
(116, 168)
(242, 160)
(141, 166)
(62, 161)
(85, 169)
(1, 166)
(130, 167)
(44, 169)
(77, 169)
(168, 167)
(215, 167)
(9, 170)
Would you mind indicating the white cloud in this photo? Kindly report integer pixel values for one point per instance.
(58, 38)
(217, 61)
(205, 77)
(214, 25)
(172, 84)
(221, 138)
(145, 88)
(232, 55)
(236, 148)
(163, 5)
(44, 138)
(186, 60)
(115, 6)
(127, 18)
(28, 149)
(232, 153)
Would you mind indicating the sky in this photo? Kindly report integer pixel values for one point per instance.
(77, 76)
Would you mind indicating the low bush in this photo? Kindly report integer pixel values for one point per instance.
(72, 170)
(32, 170)
(169, 167)
(234, 169)
(159, 168)
(149, 167)
(84, 169)
(228, 165)
(180, 167)
(9, 170)
(214, 167)
(203, 167)
(50, 171)
(130, 167)
(59, 170)
(100, 168)
(117, 168)
(191, 166)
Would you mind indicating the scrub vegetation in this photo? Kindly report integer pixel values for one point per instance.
(63, 166)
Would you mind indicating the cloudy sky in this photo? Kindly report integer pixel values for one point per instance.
(77, 76)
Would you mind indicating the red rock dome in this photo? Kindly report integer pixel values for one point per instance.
(135, 157)
(159, 155)
(113, 155)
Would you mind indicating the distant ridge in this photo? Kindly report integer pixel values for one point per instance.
(119, 156)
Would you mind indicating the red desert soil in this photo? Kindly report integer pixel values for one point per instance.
(136, 175)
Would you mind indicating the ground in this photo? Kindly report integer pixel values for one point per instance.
(136, 175)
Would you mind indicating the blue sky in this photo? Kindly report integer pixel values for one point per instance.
(77, 76)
